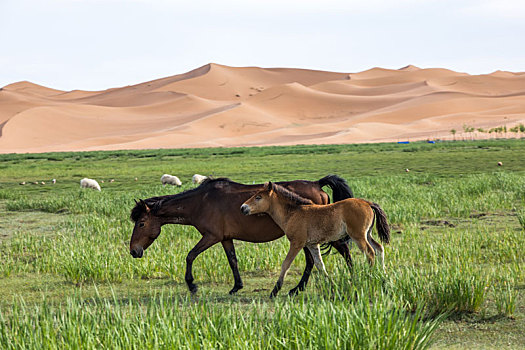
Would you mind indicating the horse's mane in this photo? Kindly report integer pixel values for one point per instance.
(291, 197)
(155, 203)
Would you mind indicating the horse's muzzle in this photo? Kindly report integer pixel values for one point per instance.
(137, 252)
(245, 209)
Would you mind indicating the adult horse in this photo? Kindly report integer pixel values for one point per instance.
(213, 209)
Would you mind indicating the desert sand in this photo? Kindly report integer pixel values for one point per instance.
(216, 106)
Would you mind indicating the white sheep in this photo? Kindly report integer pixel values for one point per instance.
(198, 179)
(167, 179)
(89, 183)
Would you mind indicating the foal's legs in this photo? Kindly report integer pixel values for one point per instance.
(205, 242)
(378, 248)
(229, 249)
(306, 274)
(318, 260)
(365, 247)
(340, 245)
(295, 248)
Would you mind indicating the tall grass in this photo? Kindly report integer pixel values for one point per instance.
(520, 213)
(172, 321)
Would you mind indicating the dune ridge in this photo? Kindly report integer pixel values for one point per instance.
(216, 105)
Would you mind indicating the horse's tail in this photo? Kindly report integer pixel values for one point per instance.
(340, 191)
(383, 230)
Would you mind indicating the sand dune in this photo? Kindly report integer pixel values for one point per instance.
(216, 105)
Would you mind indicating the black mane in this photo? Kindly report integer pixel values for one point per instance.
(155, 203)
(291, 196)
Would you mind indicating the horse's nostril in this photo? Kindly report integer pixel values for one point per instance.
(136, 252)
(244, 209)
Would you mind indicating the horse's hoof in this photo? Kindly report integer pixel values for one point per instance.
(235, 289)
(193, 288)
(293, 292)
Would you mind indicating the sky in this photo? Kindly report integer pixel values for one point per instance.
(100, 44)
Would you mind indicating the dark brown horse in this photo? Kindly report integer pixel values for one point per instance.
(213, 209)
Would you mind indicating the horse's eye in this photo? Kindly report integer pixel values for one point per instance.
(257, 197)
(141, 224)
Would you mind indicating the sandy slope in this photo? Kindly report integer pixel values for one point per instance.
(216, 105)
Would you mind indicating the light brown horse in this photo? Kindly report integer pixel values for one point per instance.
(308, 225)
(213, 209)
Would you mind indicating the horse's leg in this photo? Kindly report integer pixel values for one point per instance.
(318, 260)
(378, 248)
(306, 274)
(342, 247)
(366, 248)
(292, 253)
(229, 249)
(205, 242)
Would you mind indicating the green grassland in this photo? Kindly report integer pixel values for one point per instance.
(455, 274)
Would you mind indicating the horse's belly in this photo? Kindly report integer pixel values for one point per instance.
(258, 231)
(324, 234)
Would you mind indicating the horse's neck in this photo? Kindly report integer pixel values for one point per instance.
(280, 213)
(176, 211)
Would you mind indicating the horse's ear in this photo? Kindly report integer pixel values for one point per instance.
(144, 205)
(270, 186)
(136, 201)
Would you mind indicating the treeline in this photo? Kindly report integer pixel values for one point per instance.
(499, 131)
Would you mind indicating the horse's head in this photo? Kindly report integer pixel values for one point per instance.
(146, 230)
(259, 202)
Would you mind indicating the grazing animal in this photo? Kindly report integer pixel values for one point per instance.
(22, 183)
(54, 181)
(89, 183)
(167, 179)
(213, 209)
(500, 163)
(198, 179)
(309, 225)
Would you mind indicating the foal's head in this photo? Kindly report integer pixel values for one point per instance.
(146, 230)
(262, 200)
(259, 202)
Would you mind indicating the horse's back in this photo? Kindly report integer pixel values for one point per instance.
(307, 189)
(221, 208)
(350, 209)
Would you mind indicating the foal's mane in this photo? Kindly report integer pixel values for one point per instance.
(289, 196)
(155, 203)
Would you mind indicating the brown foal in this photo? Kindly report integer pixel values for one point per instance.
(308, 225)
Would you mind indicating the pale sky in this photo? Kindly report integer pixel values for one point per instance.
(99, 44)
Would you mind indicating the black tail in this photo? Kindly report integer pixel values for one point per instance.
(340, 191)
(383, 230)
